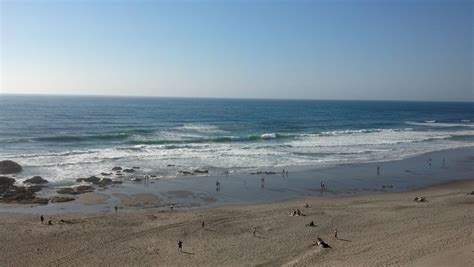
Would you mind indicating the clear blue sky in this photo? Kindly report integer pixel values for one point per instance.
(380, 49)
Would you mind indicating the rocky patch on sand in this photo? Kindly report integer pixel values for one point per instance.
(5, 183)
(60, 199)
(22, 195)
(76, 190)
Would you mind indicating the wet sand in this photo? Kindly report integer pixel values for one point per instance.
(373, 230)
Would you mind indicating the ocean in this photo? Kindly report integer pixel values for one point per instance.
(65, 137)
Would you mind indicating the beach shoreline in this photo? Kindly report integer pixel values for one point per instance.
(202, 191)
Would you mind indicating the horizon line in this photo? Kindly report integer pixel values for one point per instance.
(234, 98)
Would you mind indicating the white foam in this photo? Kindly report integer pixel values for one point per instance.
(198, 127)
(309, 149)
(440, 124)
(268, 136)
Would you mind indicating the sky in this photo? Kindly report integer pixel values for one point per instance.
(352, 49)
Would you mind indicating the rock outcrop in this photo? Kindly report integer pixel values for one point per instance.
(60, 199)
(9, 166)
(35, 180)
(76, 190)
(5, 183)
(92, 179)
(22, 195)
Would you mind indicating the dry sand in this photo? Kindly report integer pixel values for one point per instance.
(374, 230)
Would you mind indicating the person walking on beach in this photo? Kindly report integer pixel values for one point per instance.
(254, 231)
(202, 224)
(171, 207)
(116, 208)
(335, 233)
(42, 219)
(180, 245)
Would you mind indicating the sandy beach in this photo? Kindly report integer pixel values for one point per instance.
(373, 230)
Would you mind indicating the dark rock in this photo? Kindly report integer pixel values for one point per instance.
(116, 182)
(35, 180)
(14, 193)
(136, 179)
(201, 171)
(84, 189)
(66, 191)
(116, 168)
(34, 188)
(60, 199)
(22, 195)
(106, 174)
(128, 170)
(39, 201)
(106, 181)
(5, 183)
(8, 166)
(118, 174)
(92, 179)
(170, 165)
(136, 168)
(76, 190)
(153, 176)
(186, 173)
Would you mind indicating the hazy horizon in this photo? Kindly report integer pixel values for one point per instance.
(321, 50)
(226, 98)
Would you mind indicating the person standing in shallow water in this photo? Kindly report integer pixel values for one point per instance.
(378, 170)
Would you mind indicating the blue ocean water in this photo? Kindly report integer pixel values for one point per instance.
(65, 137)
